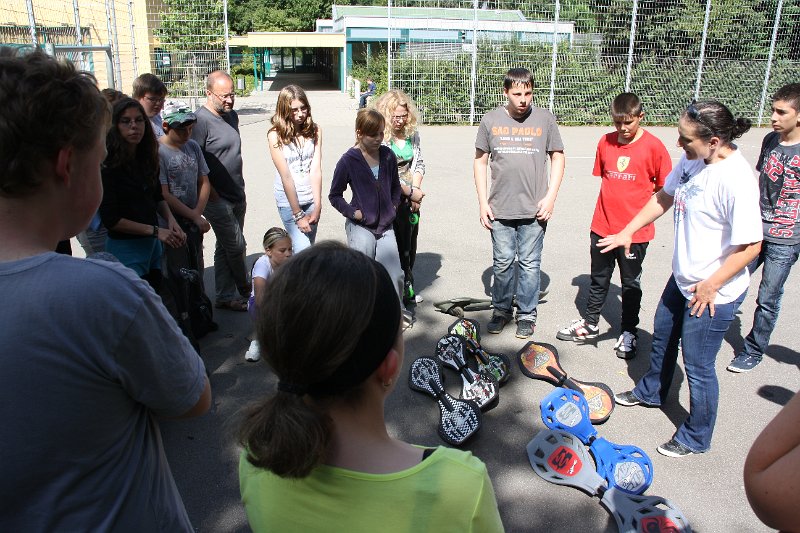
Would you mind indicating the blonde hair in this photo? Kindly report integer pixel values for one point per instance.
(369, 122)
(389, 102)
(282, 122)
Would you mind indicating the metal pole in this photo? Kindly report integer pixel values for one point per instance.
(474, 70)
(630, 46)
(769, 60)
(555, 56)
(227, 43)
(133, 39)
(78, 32)
(702, 51)
(389, 45)
(32, 23)
(111, 26)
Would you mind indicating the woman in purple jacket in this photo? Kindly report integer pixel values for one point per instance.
(370, 170)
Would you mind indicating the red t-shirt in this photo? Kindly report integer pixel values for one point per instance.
(630, 172)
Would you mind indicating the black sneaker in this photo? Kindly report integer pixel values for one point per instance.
(743, 363)
(524, 329)
(496, 324)
(626, 345)
(578, 331)
(673, 448)
(629, 399)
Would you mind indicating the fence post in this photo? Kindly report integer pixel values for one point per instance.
(389, 45)
(555, 54)
(227, 37)
(630, 45)
(702, 51)
(769, 60)
(111, 24)
(32, 23)
(78, 33)
(474, 70)
(133, 39)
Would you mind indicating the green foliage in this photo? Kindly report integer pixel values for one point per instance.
(184, 29)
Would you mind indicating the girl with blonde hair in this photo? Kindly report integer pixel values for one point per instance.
(402, 136)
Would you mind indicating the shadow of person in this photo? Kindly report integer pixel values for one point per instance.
(487, 279)
(426, 270)
(775, 394)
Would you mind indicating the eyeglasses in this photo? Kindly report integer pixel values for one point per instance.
(400, 117)
(229, 96)
(128, 122)
(155, 99)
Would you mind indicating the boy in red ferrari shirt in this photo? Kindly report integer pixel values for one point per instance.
(632, 164)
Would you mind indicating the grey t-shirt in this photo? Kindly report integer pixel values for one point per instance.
(88, 357)
(518, 159)
(219, 139)
(779, 182)
(180, 169)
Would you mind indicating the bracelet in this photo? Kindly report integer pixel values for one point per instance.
(298, 216)
(155, 231)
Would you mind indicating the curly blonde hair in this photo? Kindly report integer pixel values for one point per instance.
(282, 122)
(391, 100)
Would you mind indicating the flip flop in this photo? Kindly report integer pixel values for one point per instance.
(232, 305)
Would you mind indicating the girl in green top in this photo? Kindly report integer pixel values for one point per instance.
(317, 454)
(402, 136)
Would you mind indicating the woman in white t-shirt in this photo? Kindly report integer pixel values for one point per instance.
(295, 144)
(717, 233)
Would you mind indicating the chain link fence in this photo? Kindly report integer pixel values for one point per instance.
(179, 40)
(583, 53)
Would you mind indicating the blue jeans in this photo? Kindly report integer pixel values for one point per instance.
(382, 248)
(521, 239)
(778, 260)
(701, 338)
(300, 240)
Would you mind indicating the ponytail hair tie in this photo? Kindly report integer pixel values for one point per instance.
(292, 388)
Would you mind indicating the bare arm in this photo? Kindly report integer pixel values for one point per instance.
(705, 292)
(546, 204)
(772, 470)
(658, 204)
(480, 170)
(172, 224)
(316, 179)
(282, 167)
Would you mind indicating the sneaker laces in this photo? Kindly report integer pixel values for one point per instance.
(626, 342)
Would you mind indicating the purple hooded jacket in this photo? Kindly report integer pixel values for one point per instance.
(377, 199)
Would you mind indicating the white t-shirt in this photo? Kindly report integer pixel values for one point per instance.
(298, 159)
(716, 209)
(262, 269)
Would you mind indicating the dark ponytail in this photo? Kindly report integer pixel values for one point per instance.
(324, 304)
(713, 119)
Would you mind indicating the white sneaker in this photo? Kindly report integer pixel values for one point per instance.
(418, 299)
(253, 353)
(626, 345)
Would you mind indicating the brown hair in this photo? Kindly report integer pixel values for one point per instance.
(148, 83)
(369, 121)
(47, 106)
(789, 93)
(288, 432)
(626, 105)
(282, 122)
(518, 76)
(145, 157)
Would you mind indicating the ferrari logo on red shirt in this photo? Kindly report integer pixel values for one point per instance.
(622, 162)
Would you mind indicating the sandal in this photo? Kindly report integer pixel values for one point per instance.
(232, 305)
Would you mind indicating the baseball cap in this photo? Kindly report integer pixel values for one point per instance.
(177, 113)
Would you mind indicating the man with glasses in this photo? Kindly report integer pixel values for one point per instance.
(217, 133)
(151, 92)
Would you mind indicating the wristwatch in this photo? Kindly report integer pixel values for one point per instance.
(155, 231)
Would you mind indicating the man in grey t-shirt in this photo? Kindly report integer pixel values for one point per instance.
(515, 140)
(217, 133)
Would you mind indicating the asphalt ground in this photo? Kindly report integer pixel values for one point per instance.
(454, 259)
